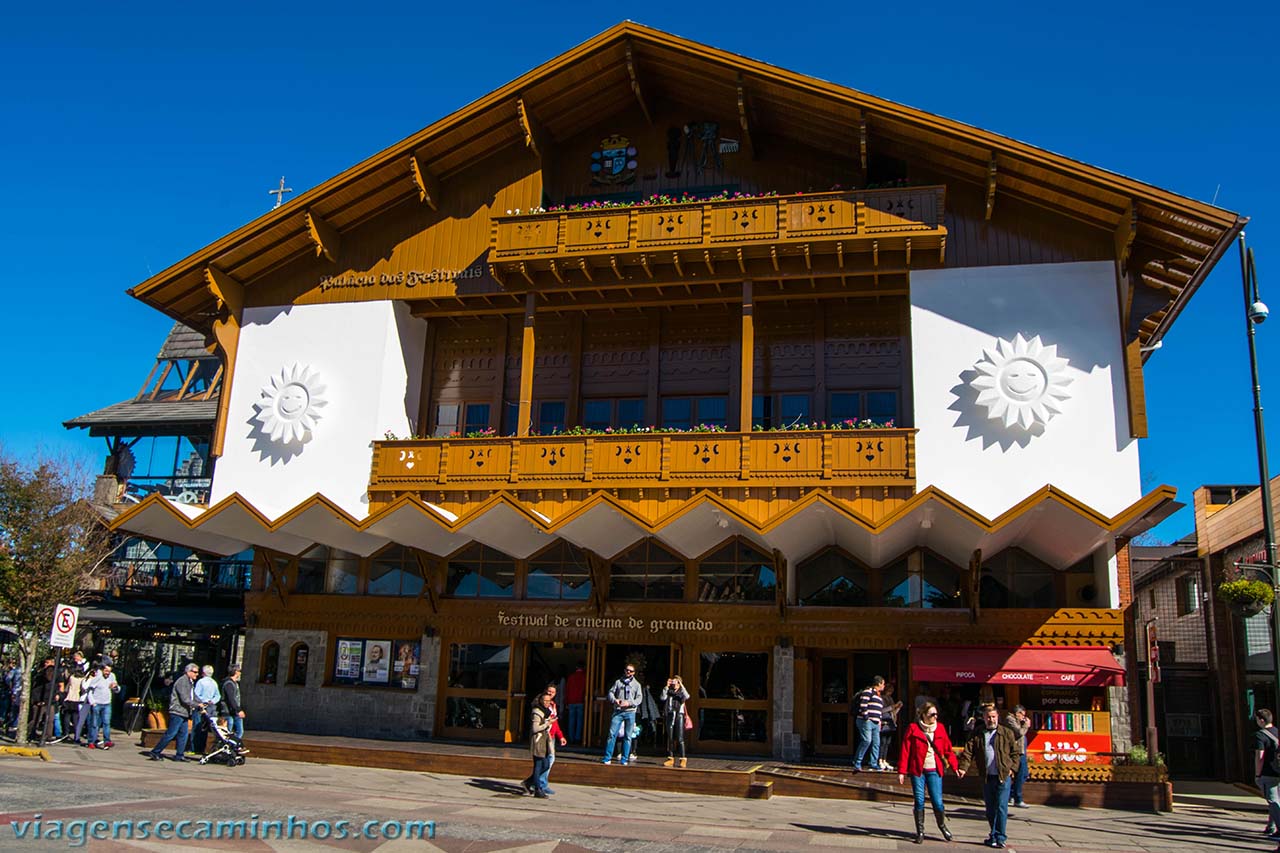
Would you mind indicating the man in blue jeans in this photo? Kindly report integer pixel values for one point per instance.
(182, 704)
(625, 696)
(869, 706)
(994, 752)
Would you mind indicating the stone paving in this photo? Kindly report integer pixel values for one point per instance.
(478, 815)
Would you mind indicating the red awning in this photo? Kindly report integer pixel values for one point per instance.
(1039, 665)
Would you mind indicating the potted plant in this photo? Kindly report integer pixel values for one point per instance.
(156, 716)
(1246, 596)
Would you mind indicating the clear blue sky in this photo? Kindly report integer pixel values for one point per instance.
(134, 135)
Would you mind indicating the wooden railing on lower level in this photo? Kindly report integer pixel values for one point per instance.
(878, 457)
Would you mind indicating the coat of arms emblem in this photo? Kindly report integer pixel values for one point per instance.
(614, 162)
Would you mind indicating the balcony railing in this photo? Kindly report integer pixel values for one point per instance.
(880, 457)
(592, 245)
(184, 490)
(216, 577)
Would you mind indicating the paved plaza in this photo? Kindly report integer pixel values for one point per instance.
(477, 815)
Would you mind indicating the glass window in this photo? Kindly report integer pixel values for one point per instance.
(447, 419)
(711, 411)
(1188, 594)
(832, 579)
(475, 666)
(343, 575)
(737, 572)
(762, 411)
(311, 570)
(845, 406)
(477, 417)
(647, 570)
(298, 664)
(630, 413)
(942, 584)
(677, 413)
(734, 675)
(794, 408)
(1014, 578)
(597, 414)
(882, 406)
(731, 724)
(897, 586)
(551, 417)
(481, 571)
(560, 573)
(270, 663)
(395, 571)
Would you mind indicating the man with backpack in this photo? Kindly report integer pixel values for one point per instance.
(1266, 768)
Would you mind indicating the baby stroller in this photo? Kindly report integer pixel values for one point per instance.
(228, 749)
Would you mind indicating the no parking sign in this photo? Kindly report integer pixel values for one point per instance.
(65, 618)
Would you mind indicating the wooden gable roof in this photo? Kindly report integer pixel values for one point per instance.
(1167, 242)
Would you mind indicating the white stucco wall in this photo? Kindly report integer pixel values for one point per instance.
(368, 356)
(1086, 450)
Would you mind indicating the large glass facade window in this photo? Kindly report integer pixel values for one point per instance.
(737, 572)
(551, 417)
(481, 572)
(1014, 578)
(395, 571)
(475, 693)
(935, 583)
(832, 579)
(779, 411)
(343, 573)
(647, 571)
(312, 565)
(561, 572)
(879, 406)
(463, 418)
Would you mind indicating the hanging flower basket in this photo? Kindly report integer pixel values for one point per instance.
(1246, 597)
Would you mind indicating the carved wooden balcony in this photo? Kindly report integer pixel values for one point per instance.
(796, 236)
(880, 457)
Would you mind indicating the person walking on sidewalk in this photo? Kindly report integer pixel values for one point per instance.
(924, 756)
(993, 750)
(1021, 724)
(557, 737)
(182, 704)
(1266, 767)
(207, 696)
(869, 706)
(100, 686)
(541, 745)
(626, 695)
(231, 701)
(674, 696)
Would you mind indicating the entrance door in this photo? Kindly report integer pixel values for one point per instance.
(840, 677)
(551, 663)
(654, 665)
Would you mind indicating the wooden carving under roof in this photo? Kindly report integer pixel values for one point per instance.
(1174, 240)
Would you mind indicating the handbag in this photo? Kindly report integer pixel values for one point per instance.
(688, 721)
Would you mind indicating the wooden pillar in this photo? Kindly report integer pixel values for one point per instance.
(526, 366)
(746, 359)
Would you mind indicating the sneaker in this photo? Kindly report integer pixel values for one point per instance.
(90, 745)
(606, 761)
(541, 795)
(622, 764)
(108, 745)
(181, 758)
(1021, 806)
(548, 792)
(154, 757)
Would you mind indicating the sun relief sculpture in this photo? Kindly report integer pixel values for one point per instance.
(287, 410)
(1021, 382)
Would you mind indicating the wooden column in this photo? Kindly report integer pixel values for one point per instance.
(526, 366)
(746, 359)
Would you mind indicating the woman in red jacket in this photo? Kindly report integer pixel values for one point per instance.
(926, 753)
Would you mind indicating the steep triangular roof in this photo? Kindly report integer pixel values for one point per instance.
(1172, 241)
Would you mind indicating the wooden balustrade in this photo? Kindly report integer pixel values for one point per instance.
(560, 245)
(877, 457)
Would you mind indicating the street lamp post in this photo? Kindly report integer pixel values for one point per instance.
(1255, 311)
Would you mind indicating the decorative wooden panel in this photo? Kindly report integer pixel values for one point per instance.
(907, 209)
(475, 459)
(533, 236)
(555, 459)
(615, 356)
(704, 454)
(638, 456)
(669, 225)
(466, 362)
(825, 215)
(588, 232)
(743, 221)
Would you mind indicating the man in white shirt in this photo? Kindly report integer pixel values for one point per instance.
(207, 696)
(99, 688)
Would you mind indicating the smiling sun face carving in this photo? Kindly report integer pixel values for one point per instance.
(1021, 382)
(288, 408)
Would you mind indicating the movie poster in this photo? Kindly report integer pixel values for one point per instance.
(349, 659)
(407, 664)
(377, 661)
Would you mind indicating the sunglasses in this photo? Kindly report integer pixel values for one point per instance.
(930, 716)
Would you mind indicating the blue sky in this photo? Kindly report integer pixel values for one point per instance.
(136, 134)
